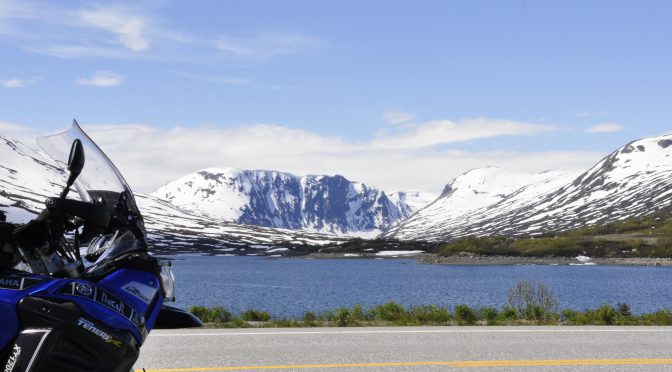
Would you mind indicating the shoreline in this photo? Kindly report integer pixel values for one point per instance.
(459, 260)
(476, 260)
(514, 260)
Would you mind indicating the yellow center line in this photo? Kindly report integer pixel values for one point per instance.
(457, 364)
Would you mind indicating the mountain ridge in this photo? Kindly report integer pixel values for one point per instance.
(630, 182)
(319, 203)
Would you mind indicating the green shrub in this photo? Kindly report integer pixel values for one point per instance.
(571, 316)
(216, 314)
(533, 301)
(509, 313)
(309, 318)
(390, 312)
(465, 314)
(252, 315)
(431, 314)
(493, 245)
(623, 310)
(342, 316)
(327, 316)
(237, 323)
(357, 314)
(660, 317)
(605, 314)
(220, 315)
(554, 247)
(285, 323)
(489, 314)
(663, 247)
(201, 312)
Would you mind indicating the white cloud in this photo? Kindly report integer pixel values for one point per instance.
(19, 82)
(605, 128)
(81, 51)
(264, 45)
(586, 114)
(151, 156)
(18, 131)
(12, 83)
(102, 79)
(446, 131)
(111, 31)
(398, 117)
(130, 29)
(237, 81)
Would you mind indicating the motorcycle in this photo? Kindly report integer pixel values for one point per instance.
(79, 290)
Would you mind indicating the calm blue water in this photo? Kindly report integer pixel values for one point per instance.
(290, 287)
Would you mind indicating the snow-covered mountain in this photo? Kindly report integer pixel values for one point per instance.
(173, 230)
(325, 204)
(192, 213)
(411, 201)
(27, 179)
(635, 180)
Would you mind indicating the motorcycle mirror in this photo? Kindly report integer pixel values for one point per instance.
(75, 164)
(76, 159)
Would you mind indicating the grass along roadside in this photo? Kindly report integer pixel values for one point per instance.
(529, 303)
(394, 314)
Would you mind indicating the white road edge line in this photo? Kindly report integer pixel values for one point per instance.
(153, 335)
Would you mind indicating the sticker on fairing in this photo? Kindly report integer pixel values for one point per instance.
(16, 283)
(11, 362)
(91, 327)
(110, 301)
(141, 291)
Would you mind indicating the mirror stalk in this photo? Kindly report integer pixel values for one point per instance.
(75, 165)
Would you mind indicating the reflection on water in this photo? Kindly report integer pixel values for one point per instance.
(290, 287)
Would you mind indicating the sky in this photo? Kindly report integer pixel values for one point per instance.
(402, 95)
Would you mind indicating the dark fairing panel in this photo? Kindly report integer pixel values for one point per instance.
(172, 318)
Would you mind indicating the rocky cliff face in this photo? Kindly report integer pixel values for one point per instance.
(327, 204)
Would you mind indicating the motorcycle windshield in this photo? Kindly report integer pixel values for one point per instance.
(99, 174)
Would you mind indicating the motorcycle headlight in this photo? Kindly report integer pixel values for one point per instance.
(167, 281)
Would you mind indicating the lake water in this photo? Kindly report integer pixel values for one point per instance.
(290, 287)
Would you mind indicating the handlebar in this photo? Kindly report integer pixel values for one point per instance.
(94, 214)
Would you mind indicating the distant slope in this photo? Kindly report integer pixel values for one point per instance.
(326, 204)
(633, 181)
(174, 230)
(26, 178)
(411, 201)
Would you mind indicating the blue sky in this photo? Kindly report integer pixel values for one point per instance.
(383, 92)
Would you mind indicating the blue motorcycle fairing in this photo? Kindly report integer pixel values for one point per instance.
(13, 287)
(141, 289)
(109, 302)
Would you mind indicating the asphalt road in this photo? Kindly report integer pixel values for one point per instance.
(410, 349)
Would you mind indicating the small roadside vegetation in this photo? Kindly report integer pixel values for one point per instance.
(529, 303)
